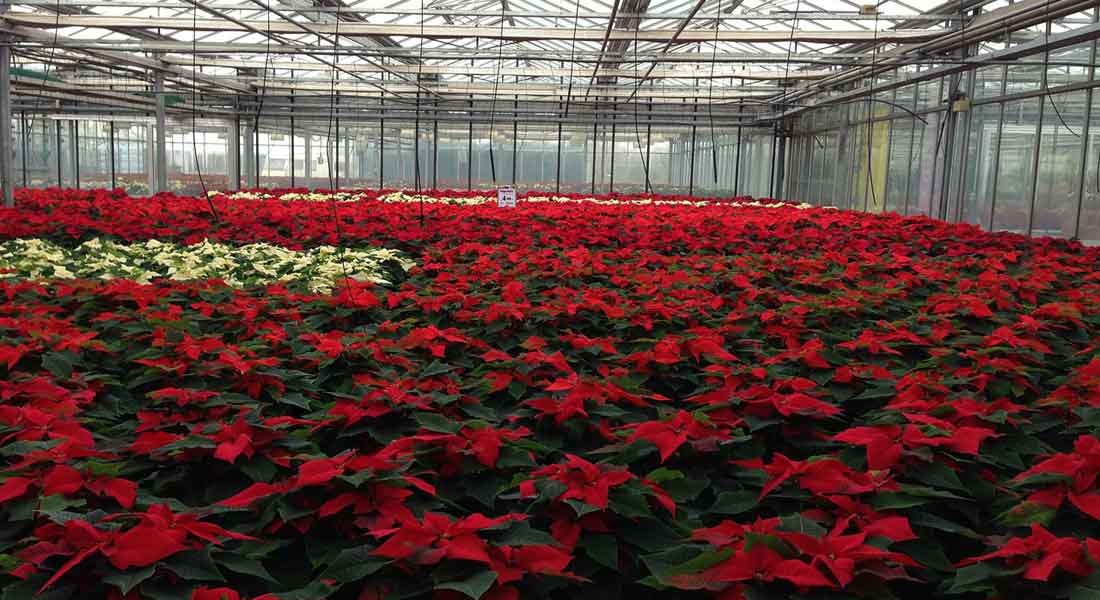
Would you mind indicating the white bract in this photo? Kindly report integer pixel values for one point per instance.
(320, 268)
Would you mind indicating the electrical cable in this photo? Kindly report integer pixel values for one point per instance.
(260, 102)
(195, 112)
(710, 97)
(572, 50)
(416, 127)
(45, 75)
(870, 117)
(493, 105)
(637, 127)
(328, 140)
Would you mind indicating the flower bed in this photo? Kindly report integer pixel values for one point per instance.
(318, 269)
(561, 400)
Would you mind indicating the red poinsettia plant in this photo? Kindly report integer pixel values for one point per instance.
(561, 400)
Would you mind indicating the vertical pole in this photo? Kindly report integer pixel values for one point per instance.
(515, 134)
(308, 162)
(737, 165)
(336, 146)
(293, 139)
(435, 148)
(470, 148)
(780, 166)
(691, 167)
(162, 135)
(595, 151)
(26, 137)
(557, 176)
(7, 149)
(254, 172)
(74, 151)
(233, 152)
(611, 181)
(111, 153)
(150, 159)
(60, 167)
(249, 154)
(648, 148)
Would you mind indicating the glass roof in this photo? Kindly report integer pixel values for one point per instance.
(618, 50)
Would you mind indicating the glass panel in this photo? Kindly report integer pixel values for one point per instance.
(575, 159)
(898, 170)
(1090, 208)
(454, 157)
(1059, 165)
(1013, 196)
(980, 163)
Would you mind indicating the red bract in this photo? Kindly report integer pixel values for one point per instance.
(438, 536)
(1039, 554)
(583, 480)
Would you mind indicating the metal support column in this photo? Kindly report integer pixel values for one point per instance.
(57, 153)
(691, 167)
(557, 176)
(111, 153)
(595, 151)
(611, 180)
(249, 154)
(737, 165)
(780, 162)
(7, 149)
(233, 152)
(161, 155)
(150, 159)
(293, 140)
(308, 163)
(26, 140)
(74, 152)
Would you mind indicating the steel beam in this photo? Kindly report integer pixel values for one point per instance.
(590, 34)
(7, 147)
(161, 149)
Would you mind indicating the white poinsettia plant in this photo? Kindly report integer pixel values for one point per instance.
(320, 269)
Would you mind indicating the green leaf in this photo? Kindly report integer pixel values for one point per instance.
(939, 476)
(59, 363)
(734, 503)
(1089, 589)
(436, 368)
(520, 533)
(244, 565)
(974, 578)
(437, 422)
(128, 580)
(474, 587)
(701, 562)
(895, 501)
(195, 565)
(604, 549)
(581, 508)
(353, 564)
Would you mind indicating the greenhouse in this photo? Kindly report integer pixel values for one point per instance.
(549, 300)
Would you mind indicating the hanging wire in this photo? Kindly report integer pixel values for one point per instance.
(870, 117)
(45, 74)
(572, 50)
(263, 98)
(328, 139)
(493, 105)
(710, 97)
(195, 111)
(637, 127)
(416, 128)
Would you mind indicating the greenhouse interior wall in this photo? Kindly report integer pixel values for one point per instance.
(116, 152)
(1009, 147)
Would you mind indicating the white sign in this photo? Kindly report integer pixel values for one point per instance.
(506, 197)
